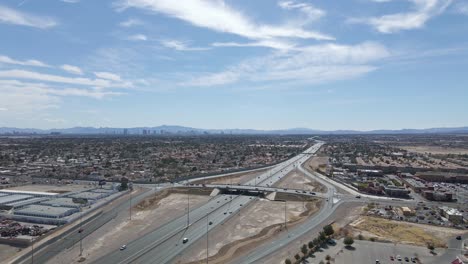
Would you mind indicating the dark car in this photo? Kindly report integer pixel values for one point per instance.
(459, 237)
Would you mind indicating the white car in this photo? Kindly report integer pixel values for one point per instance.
(123, 247)
(185, 240)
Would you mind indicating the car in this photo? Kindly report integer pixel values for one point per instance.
(210, 223)
(225, 213)
(377, 261)
(185, 240)
(406, 259)
(392, 258)
(123, 247)
(358, 196)
(399, 258)
(413, 259)
(459, 237)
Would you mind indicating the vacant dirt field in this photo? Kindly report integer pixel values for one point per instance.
(298, 180)
(318, 162)
(402, 232)
(251, 227)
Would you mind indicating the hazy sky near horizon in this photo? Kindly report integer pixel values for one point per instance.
(264, 64)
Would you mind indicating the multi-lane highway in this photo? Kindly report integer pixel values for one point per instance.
(165, 243)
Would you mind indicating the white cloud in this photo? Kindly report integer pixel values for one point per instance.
(462, 8)
(15, 17)
(8, 60)
(180, 45)
(307, 65)
(131, 22)
(71, 1)
(108, 76)
(423, 11)
(138, 37)
(3, 109)
(275, 44)
(72, 69)
(312, 12)
(22, 74)
(219, 16)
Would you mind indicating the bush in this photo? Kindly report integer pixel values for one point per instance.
(348, 241)
(328, 230)
(287, 261)
(360, 237)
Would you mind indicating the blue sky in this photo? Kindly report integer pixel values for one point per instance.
(265, 64)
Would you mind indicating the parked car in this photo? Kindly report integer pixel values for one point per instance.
(185, 240)
(123, 247)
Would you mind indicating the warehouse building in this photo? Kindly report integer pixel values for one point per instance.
(46, 211)
(90, 196)
(62, 202)
(13, 198)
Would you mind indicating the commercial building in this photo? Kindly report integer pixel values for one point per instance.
(370, 173)
(395, 191)
(452, 214)
(433, 176)
(46, 211)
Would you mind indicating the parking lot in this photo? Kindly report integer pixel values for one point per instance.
(368, 252)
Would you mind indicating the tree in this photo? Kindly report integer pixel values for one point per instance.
(287, 261)
(348, 241)
(322, 236)
(310, 244)
(297, 256)
(328, 258)
(304, 250)
(328, 230)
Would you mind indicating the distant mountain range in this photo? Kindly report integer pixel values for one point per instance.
(198, 131)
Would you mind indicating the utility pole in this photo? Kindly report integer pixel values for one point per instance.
(130, 209)
(81, 231)
(32, 250)
(207, 226)
(188, 207)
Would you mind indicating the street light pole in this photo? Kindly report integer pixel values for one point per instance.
(32, 250)
(130, 205)
(81, 231)
(207, 226)
(188, 207)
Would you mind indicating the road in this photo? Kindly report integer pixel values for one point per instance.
(41, 256)
(165, 243)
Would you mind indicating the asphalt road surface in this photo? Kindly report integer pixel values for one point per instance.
(165, 243)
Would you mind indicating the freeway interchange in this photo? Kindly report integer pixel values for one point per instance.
(165, 243)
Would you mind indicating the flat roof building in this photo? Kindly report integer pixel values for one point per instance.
(13, 198)
(46, 211)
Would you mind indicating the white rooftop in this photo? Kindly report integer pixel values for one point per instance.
(27, 192)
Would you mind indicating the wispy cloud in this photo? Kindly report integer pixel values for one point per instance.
(108, 76)
(220, 17)
(309, 10)
(71, 1)
(307, 65)
(423, 11)
(8, 60)
(16, 17)
(274, 44)
(138, 37)
(180, 45)
(30, 75)
(131, 22)
(462, 8)
(72, 69)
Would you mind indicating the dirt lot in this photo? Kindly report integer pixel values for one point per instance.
(234, 179)
(148, 215)
(297, 180)
(318, 162)
(7, 251)
(402, 232)
(251, 227)
(434, 149)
